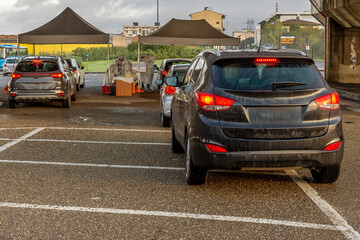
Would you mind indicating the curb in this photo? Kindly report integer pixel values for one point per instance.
(348, 95)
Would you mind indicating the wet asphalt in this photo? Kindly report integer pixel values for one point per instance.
(104, 170)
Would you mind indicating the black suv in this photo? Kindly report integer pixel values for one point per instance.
(42, 79)
(256, 110)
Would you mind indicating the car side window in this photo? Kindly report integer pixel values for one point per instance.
(197, 70)
(189, 72)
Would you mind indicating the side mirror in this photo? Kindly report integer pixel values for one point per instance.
(158, 81)
(82, 68)
(172, 81)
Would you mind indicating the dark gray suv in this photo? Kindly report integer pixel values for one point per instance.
(256, 110)
(42, 79)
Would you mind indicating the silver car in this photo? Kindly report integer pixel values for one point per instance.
(9, 65)
(167, 92)
(78, 72)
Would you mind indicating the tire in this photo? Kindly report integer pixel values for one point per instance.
(194, 175)
(78, 86)
(73, 97)
(67, 101)
(326, 174)
(13, 104)
(175, 145)
(165, 121)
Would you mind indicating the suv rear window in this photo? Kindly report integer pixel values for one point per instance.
(44, 66)
(244, 74)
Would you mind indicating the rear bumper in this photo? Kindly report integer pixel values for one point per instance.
(38, 97)
(202, 157)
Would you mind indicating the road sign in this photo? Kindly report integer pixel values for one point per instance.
(87, 55)
(287, 40)
(139, 67)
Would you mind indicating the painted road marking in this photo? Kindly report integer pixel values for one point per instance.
(94, 129)
(17, 140)
(93, 165)
(329, 211)
(80, 141)
(173, 215)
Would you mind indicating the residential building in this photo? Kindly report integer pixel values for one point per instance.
(135, 29)
(119, 40)
(213, 18)
(303, 17)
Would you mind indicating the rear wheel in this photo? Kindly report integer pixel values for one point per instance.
(326, 174)
(194, 175)
(78, 86)
(165, 121)
(13, 104)
(175, 145)
(67, 101)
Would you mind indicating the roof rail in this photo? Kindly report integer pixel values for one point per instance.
(213, 51)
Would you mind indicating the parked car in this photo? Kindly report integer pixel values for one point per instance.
(78, 72)
(167, 63)
(167, 92)
(42, 79)
(256, 110)
(9, 65)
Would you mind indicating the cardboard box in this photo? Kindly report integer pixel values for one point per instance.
(124, 86)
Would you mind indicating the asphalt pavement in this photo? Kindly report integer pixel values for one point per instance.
(104, 169)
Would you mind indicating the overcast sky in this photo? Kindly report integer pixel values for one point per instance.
(18, 16)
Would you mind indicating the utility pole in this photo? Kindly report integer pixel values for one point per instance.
(157, 14)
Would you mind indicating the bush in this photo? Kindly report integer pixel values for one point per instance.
(131, 52)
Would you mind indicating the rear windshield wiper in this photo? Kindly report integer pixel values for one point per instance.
(286, 84)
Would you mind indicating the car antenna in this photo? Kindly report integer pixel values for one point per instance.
(259, 46)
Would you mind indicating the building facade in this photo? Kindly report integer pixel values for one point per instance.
(213, 18)
(135, 30)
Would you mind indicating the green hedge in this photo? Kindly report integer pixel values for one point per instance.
(131, 52)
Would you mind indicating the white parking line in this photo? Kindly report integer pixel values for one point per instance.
(23, 138)
(327, 209)
(94, 129)
(80, 141)
(93, 165)
(172, 215)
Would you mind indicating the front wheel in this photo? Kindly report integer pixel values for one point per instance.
(175, 145)
(67, 101)
(194, 175)
(165, 121)
(326, 174)
(13, 104)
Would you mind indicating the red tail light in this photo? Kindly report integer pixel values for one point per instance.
(211, 102)
(57, 75)
(74, 71)
(16, 76)
(267, 60)
(329, 101)
(37, 61)
(4, 65)
(333, 146)
(164, 73)
(170, 90)
(215, 148)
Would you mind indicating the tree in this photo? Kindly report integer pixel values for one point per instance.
(271, 33)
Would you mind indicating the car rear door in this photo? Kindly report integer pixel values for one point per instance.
(261, 111)
(37, 75)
